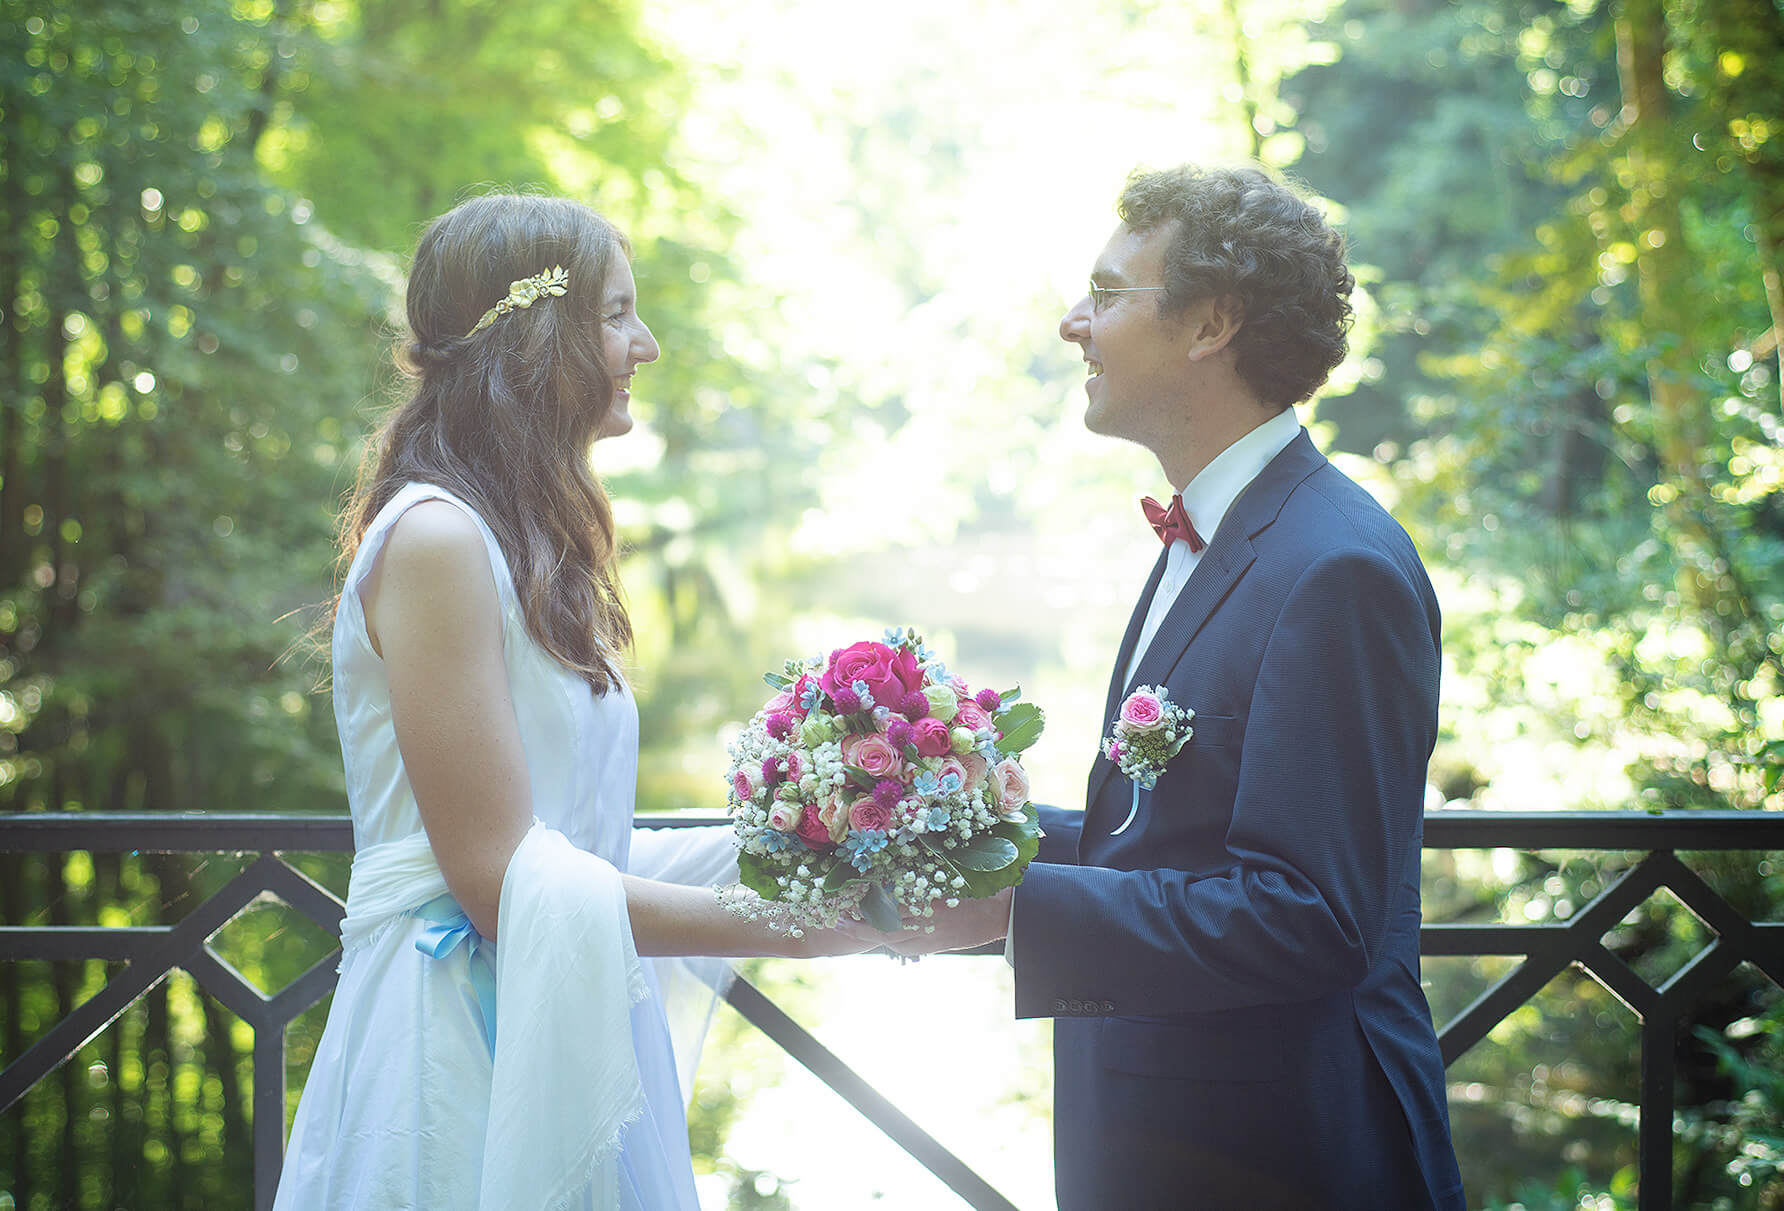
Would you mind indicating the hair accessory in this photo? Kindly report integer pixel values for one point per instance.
(525, 293)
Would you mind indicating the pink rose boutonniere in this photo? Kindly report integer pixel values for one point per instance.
(1149, 730)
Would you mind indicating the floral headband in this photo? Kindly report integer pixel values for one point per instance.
(525, 293)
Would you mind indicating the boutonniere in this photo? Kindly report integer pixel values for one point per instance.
(1149, 730)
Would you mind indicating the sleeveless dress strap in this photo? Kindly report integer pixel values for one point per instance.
(371, 548)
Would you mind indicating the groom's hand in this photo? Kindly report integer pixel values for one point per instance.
(971, 923)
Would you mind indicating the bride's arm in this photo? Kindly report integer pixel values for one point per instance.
(434, 617)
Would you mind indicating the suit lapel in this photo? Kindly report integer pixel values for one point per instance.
(1219, 569)
(1134, 623)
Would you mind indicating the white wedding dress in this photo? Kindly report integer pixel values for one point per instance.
(569, 1098)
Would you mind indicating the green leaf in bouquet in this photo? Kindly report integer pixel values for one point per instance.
(1021, 726)
(1024, 835)
(859, 776)
(878, 910)
(839, 875)
(1010, 696)
(985, 852)
(1026, 829)
(776, 681)
(758, 874)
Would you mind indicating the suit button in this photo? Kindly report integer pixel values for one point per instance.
(1059, 1007)
(1108, 1006)
(1077, 1006)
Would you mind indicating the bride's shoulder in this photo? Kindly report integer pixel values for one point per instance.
(435, 535)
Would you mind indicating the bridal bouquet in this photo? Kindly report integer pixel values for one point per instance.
(878, 781)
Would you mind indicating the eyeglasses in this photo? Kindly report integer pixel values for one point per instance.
(1099, 295)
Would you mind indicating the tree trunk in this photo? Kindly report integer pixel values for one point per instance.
(1744, 40)
(1254, 141)
(1667, 290)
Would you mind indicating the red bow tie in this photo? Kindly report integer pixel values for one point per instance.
(1172, 523)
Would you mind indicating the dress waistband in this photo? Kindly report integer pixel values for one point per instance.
(449, 929)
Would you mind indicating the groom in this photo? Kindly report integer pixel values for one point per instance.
(1235, 970)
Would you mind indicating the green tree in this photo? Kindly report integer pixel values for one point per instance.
(1561, 208)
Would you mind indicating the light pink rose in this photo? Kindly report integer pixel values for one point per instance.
(890, 674)
(745, 783)
(1011, 781)
(873, 753)
(834, 815)
(866, 813)
(784, 817)
(972, 716)
(957, 766)
(783, 701)
(1143, 712)
(932, 738)
(976, 768)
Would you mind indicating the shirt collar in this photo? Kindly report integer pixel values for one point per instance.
(1212, 492)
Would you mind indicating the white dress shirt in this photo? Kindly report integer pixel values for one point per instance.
(1206, 500)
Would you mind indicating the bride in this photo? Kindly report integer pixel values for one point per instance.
(494, 1041)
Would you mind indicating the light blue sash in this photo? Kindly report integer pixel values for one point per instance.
(450, 928)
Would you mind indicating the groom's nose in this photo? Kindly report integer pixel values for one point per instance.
(1074, 325)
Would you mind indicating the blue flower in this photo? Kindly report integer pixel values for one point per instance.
(776, 842)
(927, 785)
(988, 750)
(862, 844)
(808, 697)
(863, 693)
(894, 636)
(934, 818)
(937, 671)
(950, 782)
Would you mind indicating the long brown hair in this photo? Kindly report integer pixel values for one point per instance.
(504, 418)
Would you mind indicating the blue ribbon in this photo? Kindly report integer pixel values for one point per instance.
(450, 929)
(1131, 813)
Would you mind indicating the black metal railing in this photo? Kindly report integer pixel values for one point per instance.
(151, 953)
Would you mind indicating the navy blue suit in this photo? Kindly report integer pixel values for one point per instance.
(1235, 977)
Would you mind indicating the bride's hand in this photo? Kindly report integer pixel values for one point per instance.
(845, 938)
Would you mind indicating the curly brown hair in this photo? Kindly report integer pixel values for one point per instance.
(504, 417)
(1245, 236)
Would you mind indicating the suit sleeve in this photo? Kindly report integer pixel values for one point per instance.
(1324, 830)
(1060, 828)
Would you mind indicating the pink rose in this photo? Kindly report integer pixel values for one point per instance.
(797, 690)
(812, 830)
(931, 737)
(976, 768)
(972, 716)
(1011, 781)
(890, 674)
(784, 817)
(873, 753)
(954, 765)
(745, 783)
(783, 701)
(834, 815)
(867, 813)
(1143, 712)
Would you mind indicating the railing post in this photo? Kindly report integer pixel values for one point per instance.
(269, 1113)
(1654, 1191)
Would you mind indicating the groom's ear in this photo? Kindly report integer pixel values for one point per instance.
(1211, 325)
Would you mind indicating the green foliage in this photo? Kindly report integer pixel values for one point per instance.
(1568, 398)
(880, 911)
(1023, 838)
(1021, 726)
